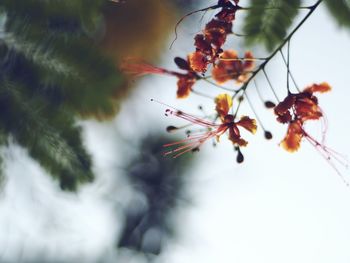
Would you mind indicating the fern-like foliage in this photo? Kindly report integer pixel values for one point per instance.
(267, 21)
(340, 10)
(52, 72)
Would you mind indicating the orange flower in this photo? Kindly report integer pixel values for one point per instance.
(214, 130)
(296, 109)
(234, 133)
(223, 105)
(231, 67)
(208, 44)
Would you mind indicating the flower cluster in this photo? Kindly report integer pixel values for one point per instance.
(209, 43)
(226, 65)
(213, 130)
(296, 109)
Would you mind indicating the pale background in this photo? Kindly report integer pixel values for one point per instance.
(276, 207)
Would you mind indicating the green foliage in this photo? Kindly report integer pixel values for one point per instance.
(340, 10)
(51, 71)
(267, 21)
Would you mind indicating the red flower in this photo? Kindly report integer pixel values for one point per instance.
(208, 44)
(296, 109)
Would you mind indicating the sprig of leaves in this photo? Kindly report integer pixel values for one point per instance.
(267, 21)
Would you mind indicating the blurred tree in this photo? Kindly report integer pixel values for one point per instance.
(159, 190)
(267, 21)
(58, 62)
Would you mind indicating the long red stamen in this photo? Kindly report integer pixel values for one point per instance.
(194, 142)
(137, 67)
(191, 118)
(329, 155)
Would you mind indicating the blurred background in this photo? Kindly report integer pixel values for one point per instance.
(83, 175)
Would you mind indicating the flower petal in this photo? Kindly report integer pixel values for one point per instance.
(249, 61)
(323, 87)
(184, 86)
(248, 124)
(198, 61)
(292, 140)
(307, 109)
(223, 104)
(235, 137)
(285, 105)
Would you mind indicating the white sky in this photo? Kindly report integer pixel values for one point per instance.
(276, 207)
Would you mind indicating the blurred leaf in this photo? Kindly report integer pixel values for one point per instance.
(50, 135)
(340, 10)
(51, 71)
(267, 21)
(71, 63)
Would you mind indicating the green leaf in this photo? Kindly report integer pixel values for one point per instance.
(340, 10)
(50, 135)
(52, 71)
(74, 64)
(267, 21)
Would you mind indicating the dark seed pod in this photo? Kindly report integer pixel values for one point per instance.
(195, 149)
(240, 157)
(269, 104)
(268, 135)
(240, 98)
(171, 128)
(181, 63)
